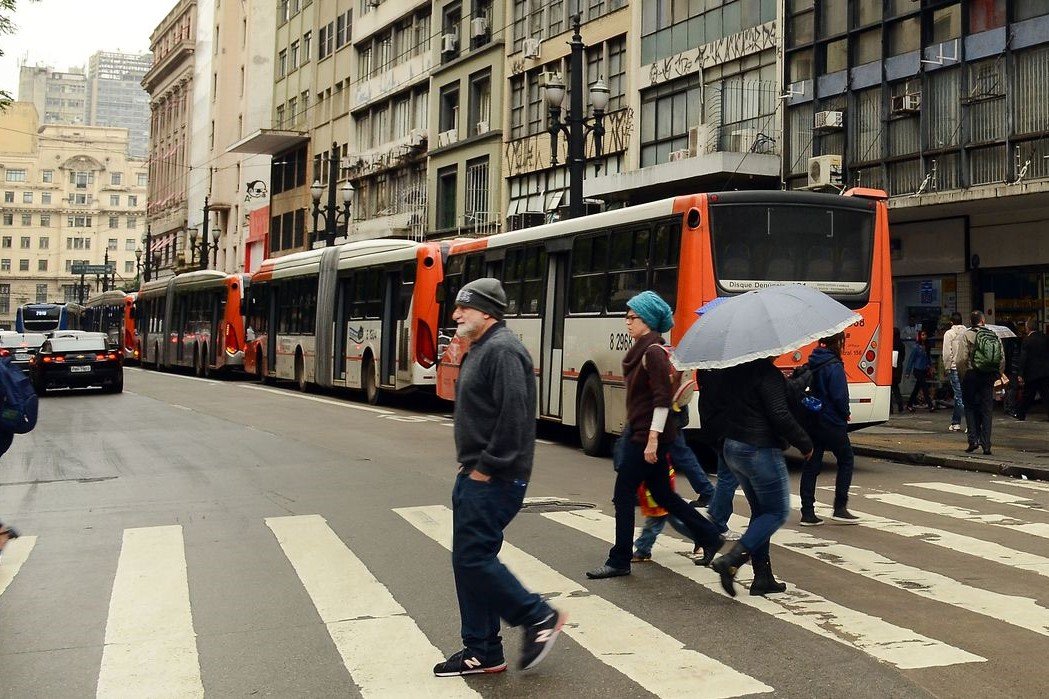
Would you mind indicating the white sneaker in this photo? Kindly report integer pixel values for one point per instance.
(732, 535)
(954, 428)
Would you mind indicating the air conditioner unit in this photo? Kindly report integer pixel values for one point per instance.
(546, 77)
(741, 140)
(828, 120)
(908, 103)
(447, 138)
(679, 154)
(448, 43)
(825, 170)
(531, 48)
(479, 27)
(702, 139)
(482, 127)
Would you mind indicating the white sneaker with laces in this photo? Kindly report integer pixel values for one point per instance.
(955, 428)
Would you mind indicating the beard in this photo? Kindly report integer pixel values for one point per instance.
(469, 331)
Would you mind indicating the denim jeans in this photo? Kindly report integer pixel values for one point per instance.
(833, 438)
(486, 589)
(633, 471)
(653, 528)
(721, 504)
(959, 403)
(762, 472)
(686, 463)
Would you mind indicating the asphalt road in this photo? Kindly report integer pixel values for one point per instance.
(218, 537)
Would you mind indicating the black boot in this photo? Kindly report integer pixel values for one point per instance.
(764, 582)
(728, 564)
(709, 551)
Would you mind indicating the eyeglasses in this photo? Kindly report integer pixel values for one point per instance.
(630, 317)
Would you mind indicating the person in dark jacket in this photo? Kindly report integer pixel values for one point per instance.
(712, 400)
(895, 397)
(6, 532)
(1034, 369)
(921, 367)
(495, 399)
(757, 426)
(643, 450)
(829, 432)
(978, 385)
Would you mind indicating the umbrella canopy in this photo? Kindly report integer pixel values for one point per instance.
(1001, 331)
(762, 323)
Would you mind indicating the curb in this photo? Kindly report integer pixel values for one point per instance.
(1000, 468)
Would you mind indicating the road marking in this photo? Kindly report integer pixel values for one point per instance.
(1038, 529)
(14, 555)
(656, 661)
(169, 375)
(989, 495)
(1023, 612)
(316, 399)
(1020, 483)
(151, 647)
(384, 651)
(898, 646)
(987, 550)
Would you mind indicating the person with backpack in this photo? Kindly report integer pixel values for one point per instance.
(829, 432)
(643, 451)
(920, 368)
(982, 360)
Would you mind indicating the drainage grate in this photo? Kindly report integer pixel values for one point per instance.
(552, 504)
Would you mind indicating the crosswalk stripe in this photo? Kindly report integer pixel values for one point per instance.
(1039, 529)
(372, 632)
(990, 495)
(14, 555)
(878, 638)
(1023, 612)
(1021, 483)
(987, 550)
(651, 658)
(150, 645)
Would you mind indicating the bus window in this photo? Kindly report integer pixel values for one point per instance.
(628, 263)
(666, 250)
(589, 265)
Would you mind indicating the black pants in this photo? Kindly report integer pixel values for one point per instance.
(978, 396)
(835, 439)
(633, 471)
(895, 397)
(921, 385)
(1037, 386)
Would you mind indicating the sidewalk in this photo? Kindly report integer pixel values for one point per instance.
(1018, 448)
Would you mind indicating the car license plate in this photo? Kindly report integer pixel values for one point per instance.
(79, 369)
(21, 357)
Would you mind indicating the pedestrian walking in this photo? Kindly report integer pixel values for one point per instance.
(495, 400)
(829, 432)
(644, 447)
(920, 368)
(7, 532)
(1013, 399)
(981, 361)
(712, 402)
(757, 426)
(952, 340)
(686, 463)
(895, 397)
(656, 518)
(1034, 369)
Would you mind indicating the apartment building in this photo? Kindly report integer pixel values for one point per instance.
(943, 105)
(60, 97)
(115, 96)
(70, 193)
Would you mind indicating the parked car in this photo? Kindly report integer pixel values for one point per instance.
(77, 362)
(20, 347)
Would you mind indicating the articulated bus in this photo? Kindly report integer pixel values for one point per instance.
(44, 317)
(362, 315)
(193, 320)
(112, 313)
(568, 282)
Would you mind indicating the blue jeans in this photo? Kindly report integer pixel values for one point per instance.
(653, 528)
(486, 589)
(959, 404)
(833, 438)
(762, 472)
(721, 504)
(686, 463)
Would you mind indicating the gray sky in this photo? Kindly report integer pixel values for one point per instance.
(63, 33)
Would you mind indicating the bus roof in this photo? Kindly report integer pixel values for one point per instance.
(308, 262)
(114, 297)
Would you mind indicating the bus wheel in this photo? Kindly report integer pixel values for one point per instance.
(368, 382)
(300, 372)
(156, 358)
(198, 361)
(591, 417)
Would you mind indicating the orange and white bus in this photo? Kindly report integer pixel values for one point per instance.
(113, 313)
(193, 320)
(362, 315)
(568, 282)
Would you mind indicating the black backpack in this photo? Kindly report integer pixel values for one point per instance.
(18, 401)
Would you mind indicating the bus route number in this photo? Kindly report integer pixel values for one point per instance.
(619, 342)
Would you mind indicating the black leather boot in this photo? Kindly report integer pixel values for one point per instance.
(709, 551)
(728, 564)
(764, 582)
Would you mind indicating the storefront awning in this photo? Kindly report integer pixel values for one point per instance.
(268, 142)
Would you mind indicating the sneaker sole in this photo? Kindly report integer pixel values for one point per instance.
(476, 671)
(810, 524)
(562, 617)
(845, 521)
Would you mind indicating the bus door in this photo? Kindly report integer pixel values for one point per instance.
(392, 326)
(218, 315)
(271, 323)
(342, 315)
(552, 359)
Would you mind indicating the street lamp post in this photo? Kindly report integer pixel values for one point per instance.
(205, 246)
(147, 240)
(138, 266)
(331, 212)
(577, 124)
(105, 273)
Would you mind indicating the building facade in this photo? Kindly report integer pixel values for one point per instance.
(115, 96)
(70, 194)
(943, 105)
(60, 97)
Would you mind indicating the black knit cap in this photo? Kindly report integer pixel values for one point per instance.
(486, 295)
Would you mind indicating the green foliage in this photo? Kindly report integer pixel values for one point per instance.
(7, 26)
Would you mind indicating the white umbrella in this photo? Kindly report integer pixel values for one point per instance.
(762, 323)
(1001, 331)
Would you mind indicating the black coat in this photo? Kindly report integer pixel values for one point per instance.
(756, 410)
(1034, 357)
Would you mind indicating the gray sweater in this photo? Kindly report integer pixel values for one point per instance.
(495, 401)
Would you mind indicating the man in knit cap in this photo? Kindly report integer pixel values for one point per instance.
(495, 401)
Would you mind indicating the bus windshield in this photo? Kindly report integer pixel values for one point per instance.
(41, 317)
(758, 245)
